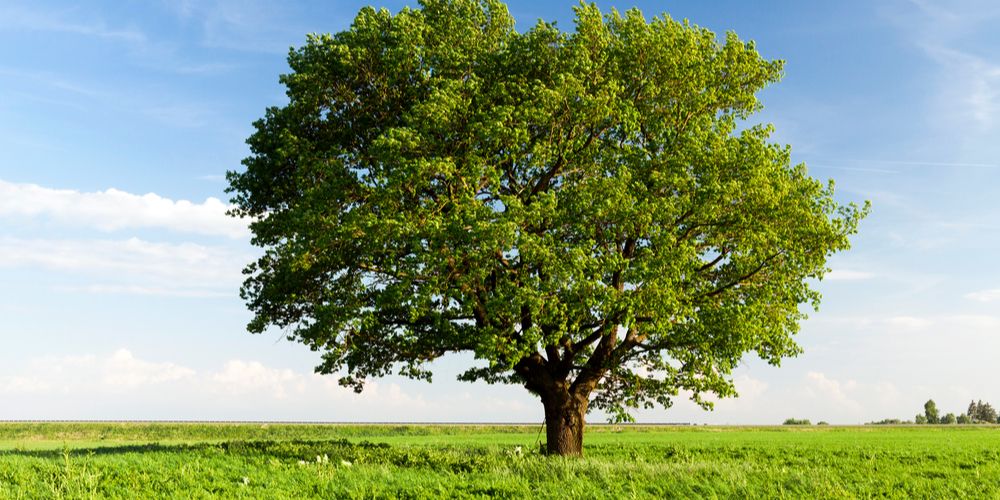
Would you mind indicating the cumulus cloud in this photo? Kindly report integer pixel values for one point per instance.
(117, 372)
(246, 377)
(112, 210)
(749, 387)
(122, 385)
(123, 370)
(824, 389)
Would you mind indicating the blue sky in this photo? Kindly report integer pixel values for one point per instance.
(119, 270)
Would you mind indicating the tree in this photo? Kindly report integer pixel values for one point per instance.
(796, 421)
(982, 412)
(580, 211)
(931, 412)
(964, 419)
(920, 419)
(949, 419)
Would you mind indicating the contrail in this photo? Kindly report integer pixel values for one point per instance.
(854, 169)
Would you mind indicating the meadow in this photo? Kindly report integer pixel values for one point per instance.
(135, 460)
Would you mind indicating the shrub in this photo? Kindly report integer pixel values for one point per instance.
(797, 421)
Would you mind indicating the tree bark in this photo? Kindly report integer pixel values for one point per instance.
(564, 420)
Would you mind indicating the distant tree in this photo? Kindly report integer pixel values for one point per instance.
(949, 419)
(797, 421)
(920, 418)
(964, 419)
(584, 213)
(931, 412)
(980, 412)
(886, 421)
(822, 422)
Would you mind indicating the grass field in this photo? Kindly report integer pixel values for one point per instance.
(387, 461)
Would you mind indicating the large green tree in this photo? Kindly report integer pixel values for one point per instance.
(931, 412)
(580, 210)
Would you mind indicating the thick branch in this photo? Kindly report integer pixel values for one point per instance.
(745, 277)
(596, 366)
(706, 267)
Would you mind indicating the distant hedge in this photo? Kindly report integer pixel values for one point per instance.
(797, 421)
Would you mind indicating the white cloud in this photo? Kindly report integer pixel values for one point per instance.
(748, 387)
(245, 25)
(847, 275)
(825, 390)
(162, 291)
(123, 370)
(973, 84)
(121, 385)
(120, 371)
(22, 385)
(13, 17)
(950, 34)
(907, 322)
(991, 295)
(245, 377)
(112, 210)
(132, 266)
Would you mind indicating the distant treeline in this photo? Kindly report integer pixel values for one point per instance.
(801, 421)
(977, 413)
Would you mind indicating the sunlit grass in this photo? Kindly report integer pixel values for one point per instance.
(344, 461)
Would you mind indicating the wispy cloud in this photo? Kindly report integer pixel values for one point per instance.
(847, 275)
(876, 165)
(145, 51)
(991, 295)
(974, 324)
(15, 17)
(80, 94)
(159, 291)
(973, 84)
(950, 34)
(242, 25)
(134, 265)
(853, 169)
(112, 210)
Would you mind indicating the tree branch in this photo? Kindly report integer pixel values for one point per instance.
(743, 278)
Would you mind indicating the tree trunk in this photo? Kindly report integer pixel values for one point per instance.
(564, 419)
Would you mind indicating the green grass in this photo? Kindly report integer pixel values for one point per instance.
(387, 461)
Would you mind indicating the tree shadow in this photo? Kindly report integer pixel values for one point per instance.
(293, 449)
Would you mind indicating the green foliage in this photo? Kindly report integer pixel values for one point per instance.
(887, 421)
(964, 419)
(980, 412)
(931, 412)
(480, 462)
(920, 419)
(949, 419)
(580, 210)
(796, 421)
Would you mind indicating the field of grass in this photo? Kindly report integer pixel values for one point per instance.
(389, 461)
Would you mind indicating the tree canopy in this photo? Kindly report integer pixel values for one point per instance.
(583, 211)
